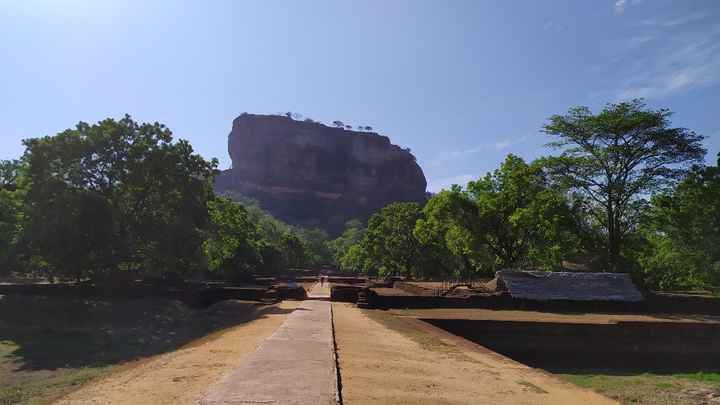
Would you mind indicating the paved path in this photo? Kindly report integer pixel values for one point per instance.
(294, 366)
(320, 292)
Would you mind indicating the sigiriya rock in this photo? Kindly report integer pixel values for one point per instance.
(312, 175)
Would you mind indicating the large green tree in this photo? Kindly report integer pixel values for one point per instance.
(117, 195)
(522, 219)
(683, 231)
(615, 158)
(512, 217)
(11, 215)
(450, 223)
(340, 246)
(284, 244)
(315, 242)
(233, 248)
(389, 245)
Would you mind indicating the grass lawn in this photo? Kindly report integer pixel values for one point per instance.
(649, 388)
(50, 346)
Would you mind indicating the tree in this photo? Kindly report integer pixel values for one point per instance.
(450, 222)
(356, 260)
(502, 198)
(339, 124)
(316, 244)
(389, 241)
(352, 235)
(9, 173)
(512, 217)
(293, 250)
(232, 249)
(616, 157)
(368, 128)
(11, 211)
(683, 231)
(117, 195)
(348, 127)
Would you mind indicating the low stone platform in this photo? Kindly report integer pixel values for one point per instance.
(294, 366)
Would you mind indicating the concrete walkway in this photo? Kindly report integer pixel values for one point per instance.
(295, 366)
(320, 292)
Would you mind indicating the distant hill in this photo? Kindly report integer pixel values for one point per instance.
(312, 175)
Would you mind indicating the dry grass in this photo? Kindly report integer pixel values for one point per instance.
(385, 359)
(627, 387)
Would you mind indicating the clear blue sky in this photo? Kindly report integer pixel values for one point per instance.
(462, 83)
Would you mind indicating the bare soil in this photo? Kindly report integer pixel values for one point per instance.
(537, 316)
(182, 376)
(51, 345)
(385, 359)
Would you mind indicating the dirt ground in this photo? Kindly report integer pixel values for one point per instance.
(385, 359)
(182, 376)
(536, 316)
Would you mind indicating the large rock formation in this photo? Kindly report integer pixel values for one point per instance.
(311, 175)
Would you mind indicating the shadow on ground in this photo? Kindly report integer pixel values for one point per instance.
(52, 333)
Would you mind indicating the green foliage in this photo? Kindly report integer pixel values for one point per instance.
(116, 195)
(315, 242)
(614, 158)
(451, 225)
(293, 250)
(279, 245)
(119, 197)
(509, 218)
(387, 246)
(11, 215)
(357, 260)
(682, 229)
(234, 247)
(499, 198)
(10, 171)
(389, 240)
(340, 246)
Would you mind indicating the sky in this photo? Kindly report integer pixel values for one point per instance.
(461, 83)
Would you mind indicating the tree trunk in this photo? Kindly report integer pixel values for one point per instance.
(613, 243)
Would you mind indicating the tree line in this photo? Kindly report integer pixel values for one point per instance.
(624, 192)
(125, 199)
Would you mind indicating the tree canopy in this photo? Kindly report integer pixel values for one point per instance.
(117, 194)
(121, 198)
(615, 158)
(682, 228)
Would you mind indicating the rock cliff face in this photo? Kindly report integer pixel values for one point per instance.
(311, 175)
